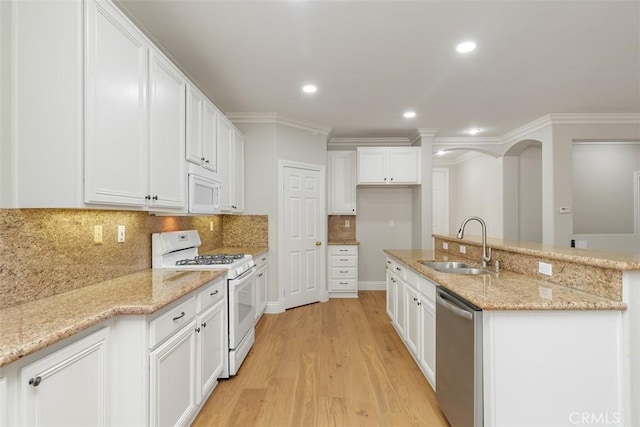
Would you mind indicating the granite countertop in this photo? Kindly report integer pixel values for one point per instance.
(505, 290)
(343, 242)
(29, 327)
(616, 261)
(254, 251)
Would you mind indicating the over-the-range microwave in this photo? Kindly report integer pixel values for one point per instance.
(204, 190)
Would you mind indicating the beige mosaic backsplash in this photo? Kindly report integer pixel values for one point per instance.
(601, 281)
(245, 230)
(44, 252)
(337, 230)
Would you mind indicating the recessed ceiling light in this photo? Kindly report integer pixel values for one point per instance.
(409, 114)
(466, 47)
(441, 153)
(309, 88)
(472, 131)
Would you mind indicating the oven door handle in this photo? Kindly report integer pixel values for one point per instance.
(244, 276)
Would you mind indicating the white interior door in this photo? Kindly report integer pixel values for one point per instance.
(440, 201)
(303, 234)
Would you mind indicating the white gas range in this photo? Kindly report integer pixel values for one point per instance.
(178, 250)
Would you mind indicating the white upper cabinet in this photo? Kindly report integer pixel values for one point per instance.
(389, 166)
(231, 166)
(116, 127)
(237, 173)
(167, 179)
(342, 182)
(201, 130)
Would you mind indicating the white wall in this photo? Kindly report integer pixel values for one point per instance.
(376, 207)
(478, 192)
(5, 100)
(530, 194)
(603, 187)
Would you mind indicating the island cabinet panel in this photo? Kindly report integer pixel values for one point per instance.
(552, 368)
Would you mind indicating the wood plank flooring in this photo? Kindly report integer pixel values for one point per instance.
(338, 363)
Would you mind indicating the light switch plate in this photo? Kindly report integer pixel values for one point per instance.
(544, 292)
(445, 246)
(545, 268)
(463, 249)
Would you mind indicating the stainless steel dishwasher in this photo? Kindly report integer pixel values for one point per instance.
(459, 359)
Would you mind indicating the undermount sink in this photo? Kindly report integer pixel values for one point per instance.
(454, 267)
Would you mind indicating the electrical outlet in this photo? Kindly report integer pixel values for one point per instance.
(347, 223)
(210, 225)
(97, 234)
(463, 249)
(445, 246)
(544, 292)
(121, 235)
(544, 268)
(392, 223)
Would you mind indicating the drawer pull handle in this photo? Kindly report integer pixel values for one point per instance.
(344, 283)
(179, 317)
(264, 259)
(343, 260)
(260, 275)
(35, 381)
(389, 262)
(343, 272)
(212, 294)
(398, 268)
(344, 250)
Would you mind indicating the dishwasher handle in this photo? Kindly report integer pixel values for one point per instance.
(450, 304)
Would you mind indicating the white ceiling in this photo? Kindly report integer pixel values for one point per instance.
(372, 60)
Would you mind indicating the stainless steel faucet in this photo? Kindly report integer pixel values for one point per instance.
(486, 254)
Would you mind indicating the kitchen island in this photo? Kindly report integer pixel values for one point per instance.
(556, 350)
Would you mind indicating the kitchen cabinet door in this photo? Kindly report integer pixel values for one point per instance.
(172, 382)
(195, 116)
(167, 179)
(116, 109)
(404, 165)
(211, 348)
(68, 387)
(224, 133)
(342, 182)
(372, 165)
(237, 175)
(412, 326)
(391, 295)
(209, 145)
(427, 357)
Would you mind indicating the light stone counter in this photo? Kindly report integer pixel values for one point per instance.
(32, 326)
(254, 251)
(503, 291)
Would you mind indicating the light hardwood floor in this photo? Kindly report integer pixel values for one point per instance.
(338, 363)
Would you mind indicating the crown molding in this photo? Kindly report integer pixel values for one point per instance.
(467, 141)
(279, 119)
(368, 142)
(594, 118)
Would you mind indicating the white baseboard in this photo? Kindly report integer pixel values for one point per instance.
(274, 307)
(372, 286)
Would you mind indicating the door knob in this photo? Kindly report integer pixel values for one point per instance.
(318, 243)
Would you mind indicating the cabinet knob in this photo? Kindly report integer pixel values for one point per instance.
(204, 324)
(385, 179)
(155, 197)
(234, 207)
(419, 303)
(391, 179)
(198, 330)
(260, 275)
(353, 210)
(148, 197)
(398, 268)
(206, 161)
(35, 381)
(182, 314)
(202, 159)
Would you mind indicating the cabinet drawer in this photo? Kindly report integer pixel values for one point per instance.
(343, 273)
(427, 288)
(343, 250)
(170, 321)
(391, 265)
(411, 277)
(338, 285)
(399, 270)
(343, 261)
(212, 293)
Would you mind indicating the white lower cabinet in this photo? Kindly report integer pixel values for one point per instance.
(411, 308)
(211, 349)
(68, 387)
(172, 379)
(343, 271)
(262, 283)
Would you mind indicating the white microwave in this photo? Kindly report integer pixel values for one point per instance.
(204, 191)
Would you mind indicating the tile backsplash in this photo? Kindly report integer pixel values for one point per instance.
(338, 231)
(44, 252)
